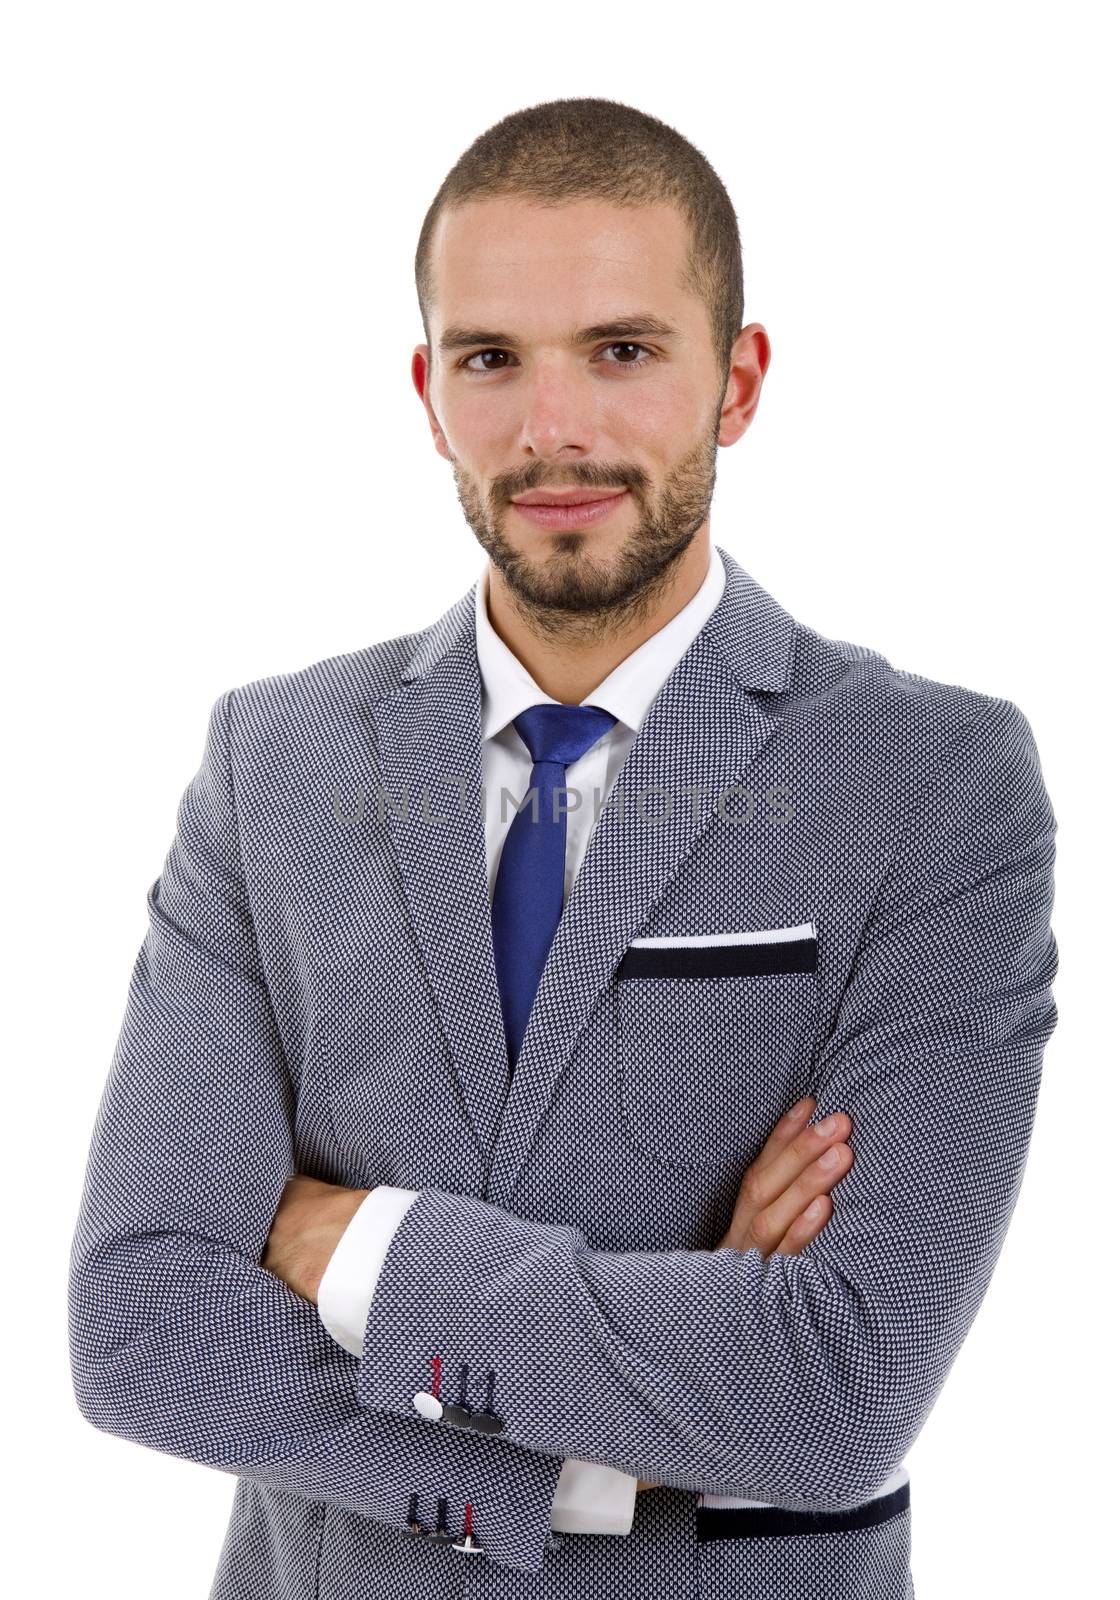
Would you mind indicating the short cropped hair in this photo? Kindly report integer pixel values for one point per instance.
(563, 151)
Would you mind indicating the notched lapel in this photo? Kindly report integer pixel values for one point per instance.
(427, 742)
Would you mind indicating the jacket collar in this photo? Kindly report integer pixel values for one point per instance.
(748, 627)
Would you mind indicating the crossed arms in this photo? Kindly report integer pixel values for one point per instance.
(798, 1379)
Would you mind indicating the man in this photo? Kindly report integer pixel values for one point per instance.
(458, 1173)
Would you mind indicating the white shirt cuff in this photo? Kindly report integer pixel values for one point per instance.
(591, 1498)
(346, 1288)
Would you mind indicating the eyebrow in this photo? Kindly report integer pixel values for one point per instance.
(625, 328)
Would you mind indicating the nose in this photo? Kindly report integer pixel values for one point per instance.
(561, 412)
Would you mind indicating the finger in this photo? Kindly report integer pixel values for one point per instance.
(774, 1221)
(763, 1186)
(806, 1227)
(769, 1181)
(761, 1217)
(786, 1131)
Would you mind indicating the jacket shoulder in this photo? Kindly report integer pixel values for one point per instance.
(883, 705)
(287, 727)
(322, 690)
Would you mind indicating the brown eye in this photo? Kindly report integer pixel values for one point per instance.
(465, 363)
(468, 359)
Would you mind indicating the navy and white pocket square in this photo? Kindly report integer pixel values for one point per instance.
(740, 953)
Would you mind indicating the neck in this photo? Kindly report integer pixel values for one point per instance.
(569, 663)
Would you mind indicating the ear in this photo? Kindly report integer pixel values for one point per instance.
(750, 357)
(421, 382)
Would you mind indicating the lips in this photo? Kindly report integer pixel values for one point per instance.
(580, 515)
(577, 497)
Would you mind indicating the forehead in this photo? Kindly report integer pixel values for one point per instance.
(497, 258)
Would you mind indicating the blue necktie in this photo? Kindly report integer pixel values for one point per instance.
(529, 887)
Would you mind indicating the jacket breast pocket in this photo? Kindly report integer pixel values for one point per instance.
(713, 1037)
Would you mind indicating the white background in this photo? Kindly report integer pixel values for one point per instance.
(216, 469)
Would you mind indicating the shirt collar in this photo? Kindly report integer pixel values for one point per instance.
(627, 693)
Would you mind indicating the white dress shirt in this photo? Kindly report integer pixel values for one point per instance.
(590, 1497)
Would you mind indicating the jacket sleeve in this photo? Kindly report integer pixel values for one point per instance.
(590, 1498)
(179, 1339)
(799, 1380)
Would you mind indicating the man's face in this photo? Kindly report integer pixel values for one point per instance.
(628, 410)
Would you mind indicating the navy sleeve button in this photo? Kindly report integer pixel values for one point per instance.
(487, 1422)
(459, 1414)
(441, 1533)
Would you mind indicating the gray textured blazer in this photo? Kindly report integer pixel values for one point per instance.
(316, 993)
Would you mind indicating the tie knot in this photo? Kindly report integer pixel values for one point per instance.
(562, 733)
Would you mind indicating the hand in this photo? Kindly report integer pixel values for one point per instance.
(310, 1220)
(783, 1198)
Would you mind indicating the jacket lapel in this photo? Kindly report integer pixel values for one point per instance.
(702, 732)
(428, 754)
